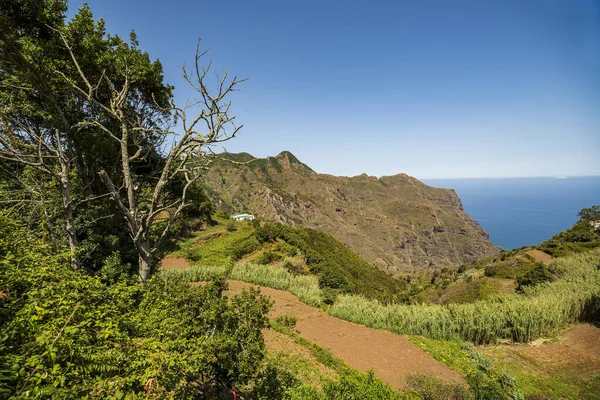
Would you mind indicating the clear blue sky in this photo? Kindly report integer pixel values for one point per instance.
(432, 88)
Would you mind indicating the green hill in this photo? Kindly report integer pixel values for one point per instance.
(300, 251)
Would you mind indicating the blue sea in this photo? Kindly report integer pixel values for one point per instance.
(519, 212)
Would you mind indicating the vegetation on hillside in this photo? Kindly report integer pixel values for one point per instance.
(64, 334)
(297, 251)
(68, 335)
(395, 222)
(540, 310)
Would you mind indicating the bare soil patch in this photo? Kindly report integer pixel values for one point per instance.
(390, 356)
(540, 256)
(171, 262)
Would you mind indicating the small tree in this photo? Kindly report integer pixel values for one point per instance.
(591, 214)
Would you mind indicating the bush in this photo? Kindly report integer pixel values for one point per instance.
(430, 388)
(286, 320)
(64, 334)
(243, 247)
(267, 257)
(536, 275)
(222, 214)
(230, 226)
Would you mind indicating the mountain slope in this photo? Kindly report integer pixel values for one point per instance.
(396, 222)
(300, 251)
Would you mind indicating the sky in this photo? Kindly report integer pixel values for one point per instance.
(431, 88)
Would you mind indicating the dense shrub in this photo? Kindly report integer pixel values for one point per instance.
(580, 237)
(65, 334)
(267, 257)
(336, 266)
(536, 275)
(243, 247)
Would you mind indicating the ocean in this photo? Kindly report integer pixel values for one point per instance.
(519, 212)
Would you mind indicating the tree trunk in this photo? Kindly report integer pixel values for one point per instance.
(145, 260)
(69, 220)
(65, 190)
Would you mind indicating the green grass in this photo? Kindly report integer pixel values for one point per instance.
(540, 311)
(217, 245)
(305, 287)
(337, 267)
(487, 379)
(550, 384)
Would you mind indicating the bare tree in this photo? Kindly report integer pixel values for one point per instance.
(139, 127)
(43, 150)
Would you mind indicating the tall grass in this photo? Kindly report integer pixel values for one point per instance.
(306, 287)
(540, 311)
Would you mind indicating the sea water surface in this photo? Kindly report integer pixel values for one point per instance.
(519, 212)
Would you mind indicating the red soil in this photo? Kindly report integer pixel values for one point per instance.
(390, 356)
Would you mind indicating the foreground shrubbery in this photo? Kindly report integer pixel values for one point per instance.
(64, 334)
(540, 311)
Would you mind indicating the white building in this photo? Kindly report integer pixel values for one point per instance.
(241, 217)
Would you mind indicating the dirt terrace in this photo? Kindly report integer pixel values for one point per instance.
(390, 356)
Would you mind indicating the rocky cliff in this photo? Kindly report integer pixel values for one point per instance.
(396, 222)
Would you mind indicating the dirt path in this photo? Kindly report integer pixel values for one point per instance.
(390, 356)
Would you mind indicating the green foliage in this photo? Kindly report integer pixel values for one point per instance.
(536, 275)
(65, 334)
(267, 257)
(468, 292)
(215, 247)
(230, 226)
(334, 264)
(430, 388)
(222, 214)
(286, 320)
(541, 310)
(590, 214)
(510, 268)
(113, 271)
(359, 387)
(305, 287)
(579, 238)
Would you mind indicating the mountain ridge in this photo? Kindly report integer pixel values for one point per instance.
(395, 222)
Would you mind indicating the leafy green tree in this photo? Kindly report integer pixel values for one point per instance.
(591, 214)
(81, 104)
